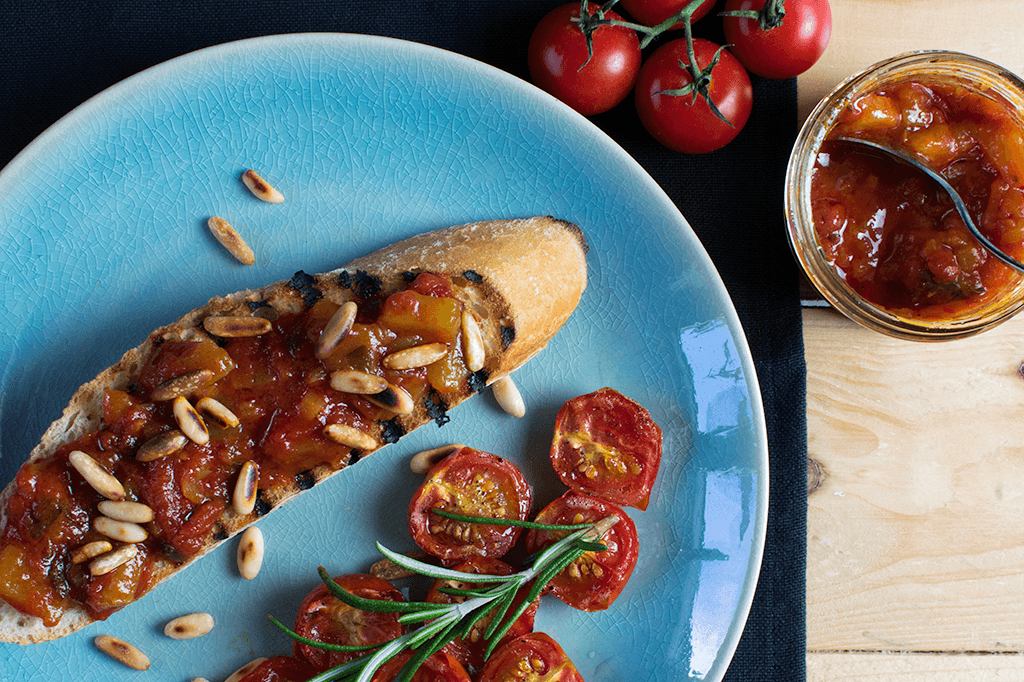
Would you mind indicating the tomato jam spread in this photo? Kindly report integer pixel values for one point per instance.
(281, 397)
(892, 233)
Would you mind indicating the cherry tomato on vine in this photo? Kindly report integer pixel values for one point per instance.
(469, 650)
(325, 618)
(596, 579)
(788, 49)
(685, 122)
(470, 483)
(535, 652)
(653, 12)
(558, 59)
(608, 446)
(441, 667)
(281, 669)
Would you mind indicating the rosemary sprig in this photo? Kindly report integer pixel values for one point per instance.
(442, 623)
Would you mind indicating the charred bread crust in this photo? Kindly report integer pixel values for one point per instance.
(523, 278)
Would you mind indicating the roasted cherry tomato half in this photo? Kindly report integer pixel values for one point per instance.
(471, 483)
(682, 122)
(470, 650)
(441, 667)
(325, 618)
(282, 669)
(534, 656)
(788, 49)
(557, 59)
(608, 446)
(596, 579)
(653, 12)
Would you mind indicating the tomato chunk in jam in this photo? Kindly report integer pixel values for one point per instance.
(280, 393)
(892, 232)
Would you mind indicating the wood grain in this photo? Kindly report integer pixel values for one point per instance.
(854, 667)
(916, 529)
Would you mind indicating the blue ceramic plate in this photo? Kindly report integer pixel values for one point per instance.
(103, 237)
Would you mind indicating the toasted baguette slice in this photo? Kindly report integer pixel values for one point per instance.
(521, 278)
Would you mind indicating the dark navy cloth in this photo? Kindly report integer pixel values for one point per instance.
(55, 55)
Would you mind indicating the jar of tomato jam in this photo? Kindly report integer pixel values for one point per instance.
(881, 241)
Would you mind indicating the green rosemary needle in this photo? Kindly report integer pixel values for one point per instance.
(442, 623)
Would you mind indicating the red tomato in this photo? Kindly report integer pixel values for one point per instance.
(281, 669)
(607, 445)
(653, 12)
(325, 618)
(680, 122)
(441, 667)
(536, 653)
(785, 51)
(596, 579)
(471, 483)
(469, 651)
(557, 57)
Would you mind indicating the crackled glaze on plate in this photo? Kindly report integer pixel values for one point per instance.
(102, 238)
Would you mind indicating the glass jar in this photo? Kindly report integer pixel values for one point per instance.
(851, 291)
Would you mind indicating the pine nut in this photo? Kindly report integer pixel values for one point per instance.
(350, 436)
(231, 240)
(245, 669)
(190, 626)
(424, 461)
(105, 563)
(224, 417)
(189, 421)
(243, 499)
(472, 342)
(250, 552)
(235, 326)
(90, 550)
(417, 356)
(508, 396)
(394, 398)
(184, 385)
(119, 530)
(96, 476)
(122, 651)
(161, 445)
(131, 512)
(261, 188)
(353, 381)
(337, 328)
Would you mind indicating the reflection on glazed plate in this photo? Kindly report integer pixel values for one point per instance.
(102, 238)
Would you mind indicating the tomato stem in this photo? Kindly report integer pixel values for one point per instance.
(589, 23)
(682, 15)
(700, 79)
(768, 17)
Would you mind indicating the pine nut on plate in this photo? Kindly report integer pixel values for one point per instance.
(122, 651)
(189, 626)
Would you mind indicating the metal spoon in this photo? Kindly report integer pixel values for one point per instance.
(957, 201)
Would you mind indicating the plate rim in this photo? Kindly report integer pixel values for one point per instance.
(21, 162)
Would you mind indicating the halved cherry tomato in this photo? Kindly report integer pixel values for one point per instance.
(558, 60)
(608, 446)
(596, 579)
(653, 12)
(469, 650)
(325, 618)
(536, 655)
(471, 483)
(281, 669)
(441, 667)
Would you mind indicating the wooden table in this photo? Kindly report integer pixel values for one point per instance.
(916, 498)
